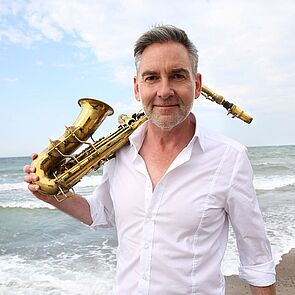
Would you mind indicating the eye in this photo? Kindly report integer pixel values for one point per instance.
(151, 78)
(178, 76)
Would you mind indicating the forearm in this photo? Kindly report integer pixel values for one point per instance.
(269, 290)
(75, 206)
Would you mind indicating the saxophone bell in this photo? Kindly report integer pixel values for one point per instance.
(48, 164)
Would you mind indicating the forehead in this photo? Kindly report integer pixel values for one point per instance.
(164, 56)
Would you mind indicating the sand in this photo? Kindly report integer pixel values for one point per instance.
(285, 284)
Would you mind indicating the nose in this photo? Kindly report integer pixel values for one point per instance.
(165, 90)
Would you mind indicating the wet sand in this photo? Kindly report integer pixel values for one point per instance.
(285, 284)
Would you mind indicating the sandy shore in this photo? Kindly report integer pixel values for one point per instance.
(285, 278)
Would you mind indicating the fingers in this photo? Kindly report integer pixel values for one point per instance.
(33, 187)
(31, 178)
(34, 156)
(29, 169)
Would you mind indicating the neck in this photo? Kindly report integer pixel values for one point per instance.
(179, 136)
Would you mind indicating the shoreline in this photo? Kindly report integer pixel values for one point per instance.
(285, 284)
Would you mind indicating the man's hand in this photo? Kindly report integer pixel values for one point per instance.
(30, 177)
(74, 205)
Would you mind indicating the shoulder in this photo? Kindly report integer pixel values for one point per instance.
(212, 139)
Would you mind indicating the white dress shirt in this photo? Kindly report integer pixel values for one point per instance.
(172, 239)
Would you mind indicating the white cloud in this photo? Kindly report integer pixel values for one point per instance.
(10, 80)
(39, 62)
(18, 36)
(246, 47)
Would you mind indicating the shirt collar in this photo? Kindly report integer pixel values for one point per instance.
(137, 137)
(198, 135)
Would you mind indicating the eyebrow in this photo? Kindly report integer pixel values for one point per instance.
(173, 71)
(179, 70)
(148, 72)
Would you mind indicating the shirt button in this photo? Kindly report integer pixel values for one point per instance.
(146, 246)
(145, 277)
(149, 215)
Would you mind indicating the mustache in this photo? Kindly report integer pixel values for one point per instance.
(167, 102)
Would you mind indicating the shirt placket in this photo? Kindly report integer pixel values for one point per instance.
(152, 202)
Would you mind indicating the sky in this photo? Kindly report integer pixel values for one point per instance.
(53, 52)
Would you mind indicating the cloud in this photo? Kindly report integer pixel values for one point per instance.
(10, 80)
(246, 47)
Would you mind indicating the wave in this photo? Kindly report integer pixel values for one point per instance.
(270, 165)
(13, 186)
(273, 182)
(30, 204)
(260, 183)
(52, 276)
(87, 181)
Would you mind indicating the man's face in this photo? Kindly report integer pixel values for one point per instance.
(166, 84)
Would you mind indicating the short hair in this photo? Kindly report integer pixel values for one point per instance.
(165, 33)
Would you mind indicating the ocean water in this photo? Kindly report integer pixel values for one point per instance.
(43, 251)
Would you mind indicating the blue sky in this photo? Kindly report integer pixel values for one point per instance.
(54, 52)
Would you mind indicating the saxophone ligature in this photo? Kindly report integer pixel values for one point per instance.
(230, 107)
(59, 170)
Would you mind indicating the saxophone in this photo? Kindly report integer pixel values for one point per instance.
(59, 170)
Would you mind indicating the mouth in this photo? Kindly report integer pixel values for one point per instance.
(166, 106)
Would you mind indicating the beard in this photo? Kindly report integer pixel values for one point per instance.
(166, 120)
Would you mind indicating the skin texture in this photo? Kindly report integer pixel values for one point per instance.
(167, 85)
(269, 290)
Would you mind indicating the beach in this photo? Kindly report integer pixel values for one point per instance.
(285, 284)
(43, 251)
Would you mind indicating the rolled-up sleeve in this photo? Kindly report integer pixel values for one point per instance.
(256, 263)
(101, 205)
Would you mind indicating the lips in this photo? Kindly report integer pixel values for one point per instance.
(166, 106)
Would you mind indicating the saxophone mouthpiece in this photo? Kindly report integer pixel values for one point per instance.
(230, 107)
(237, 112)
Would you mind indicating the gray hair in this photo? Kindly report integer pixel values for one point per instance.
(165, 33)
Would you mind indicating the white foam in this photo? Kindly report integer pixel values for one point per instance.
(13, 186)
(22, 277)
(27, 204)
(89, 181)
(260, 183)
(230, 263)
(280, 229)
(273, 181)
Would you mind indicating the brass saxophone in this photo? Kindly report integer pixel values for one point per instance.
(59, 170)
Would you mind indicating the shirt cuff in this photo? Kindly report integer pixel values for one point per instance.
(97, 213)
(261, 275)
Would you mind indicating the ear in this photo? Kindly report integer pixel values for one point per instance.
(136, 88)
(198, 85)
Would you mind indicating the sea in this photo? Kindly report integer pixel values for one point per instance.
(44, 251)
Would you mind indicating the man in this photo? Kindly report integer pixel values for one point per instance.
(172, 191)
